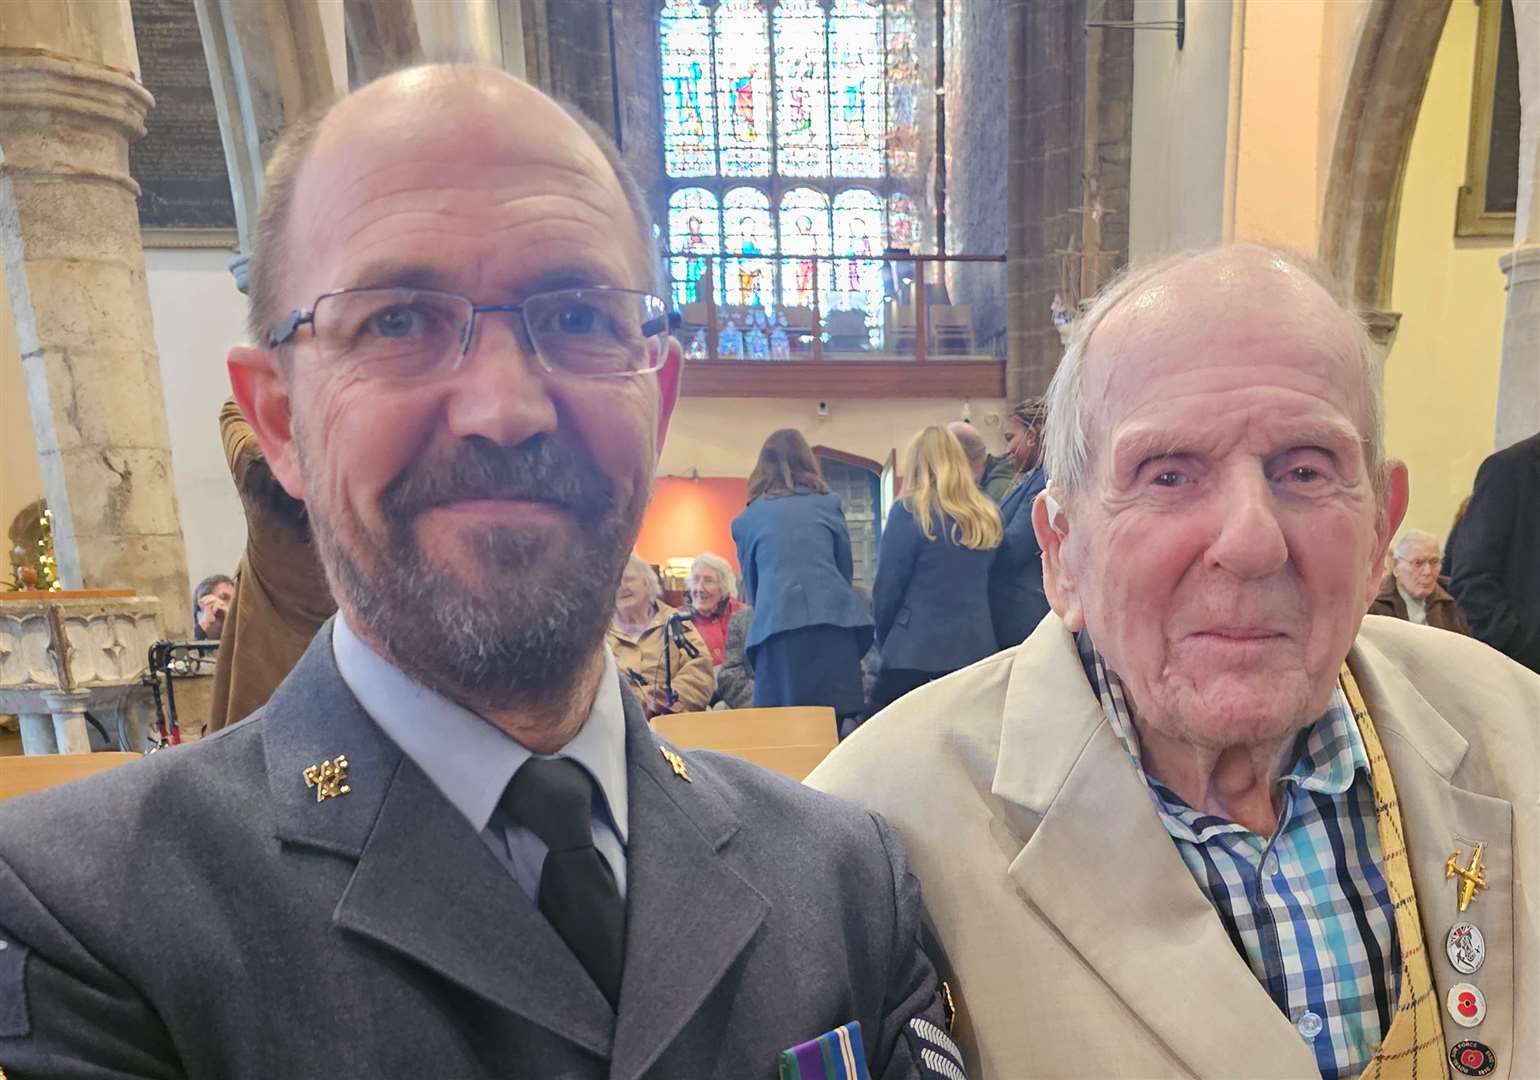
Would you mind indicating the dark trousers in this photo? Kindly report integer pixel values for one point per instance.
(894, 683)
(817, 665)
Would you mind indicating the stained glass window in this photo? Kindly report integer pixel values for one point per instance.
(695, 226)
(689, 103)
(743, 88)
(801, 89)
(858, 282)
(748, 231)
(789, 144)
(805, 231)
(857, 69)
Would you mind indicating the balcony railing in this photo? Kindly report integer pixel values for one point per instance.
(894, 325)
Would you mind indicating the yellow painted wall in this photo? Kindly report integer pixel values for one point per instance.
(1278, 150)
(1441, 375)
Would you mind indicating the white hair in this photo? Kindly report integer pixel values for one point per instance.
(1413, 536)
(1066, 438)
(648, 575)
(712, 561)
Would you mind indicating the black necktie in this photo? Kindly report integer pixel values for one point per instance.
(553, 798)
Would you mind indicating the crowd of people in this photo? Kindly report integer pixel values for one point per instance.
(1208, 819)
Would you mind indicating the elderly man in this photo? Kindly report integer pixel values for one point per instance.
(994, 475)
(449, 846)
(1412, 591)
(1210, 820)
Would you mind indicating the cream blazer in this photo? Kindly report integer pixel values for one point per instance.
(1080, 944)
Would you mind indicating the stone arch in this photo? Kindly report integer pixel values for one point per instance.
(1374, 136)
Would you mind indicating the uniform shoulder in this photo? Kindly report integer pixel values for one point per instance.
(133, 811)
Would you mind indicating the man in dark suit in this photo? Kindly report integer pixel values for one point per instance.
(449, 845)
(1497, 553)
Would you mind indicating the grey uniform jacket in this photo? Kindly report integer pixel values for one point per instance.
(201, 914)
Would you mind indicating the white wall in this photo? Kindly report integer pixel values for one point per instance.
(722, 436)
(199, 314)
(1181, 109)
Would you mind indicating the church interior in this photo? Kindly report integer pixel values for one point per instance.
(872, 215)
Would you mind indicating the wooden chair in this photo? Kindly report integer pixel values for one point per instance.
(24, 775)
(789, 741)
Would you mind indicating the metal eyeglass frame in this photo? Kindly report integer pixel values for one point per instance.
(284, 333)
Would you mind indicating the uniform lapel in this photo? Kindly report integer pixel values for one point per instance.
(1441, 818)
(425, 885)
(1103, 870)
(689, 914)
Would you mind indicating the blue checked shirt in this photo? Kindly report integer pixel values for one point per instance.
(1308, 909)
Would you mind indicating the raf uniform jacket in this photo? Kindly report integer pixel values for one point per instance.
(201, 914)
(1497, 553)
(795, 555)
(931, 597)
(1083, 946)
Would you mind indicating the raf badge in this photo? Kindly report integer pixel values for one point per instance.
(676, 762)
(1471, 877)
(328, 778)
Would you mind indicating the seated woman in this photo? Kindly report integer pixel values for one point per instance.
(712, 589)
(931, 597)
(659, 653)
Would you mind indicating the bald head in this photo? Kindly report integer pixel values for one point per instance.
(1195, 302)
(972, 444)
(462, 115)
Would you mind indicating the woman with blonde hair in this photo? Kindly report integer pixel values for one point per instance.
(931, 599)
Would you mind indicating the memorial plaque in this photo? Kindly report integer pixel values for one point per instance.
(180, 162)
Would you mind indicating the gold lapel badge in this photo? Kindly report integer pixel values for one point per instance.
(676, 762)
(328, 778)
(1471, 877)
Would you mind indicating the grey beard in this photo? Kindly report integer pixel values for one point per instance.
(523, 637)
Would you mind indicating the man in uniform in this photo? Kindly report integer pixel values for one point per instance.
(1209, 820)
(449, 845)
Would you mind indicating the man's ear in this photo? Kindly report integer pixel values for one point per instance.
(670, 379)
(262, 392)
(1398, 494)
(1050, 524)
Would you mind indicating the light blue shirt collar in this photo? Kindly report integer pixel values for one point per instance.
(467, 758)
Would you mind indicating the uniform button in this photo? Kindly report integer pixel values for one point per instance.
(1310, 1025)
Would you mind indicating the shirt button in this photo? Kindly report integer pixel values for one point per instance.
(1310, 1025)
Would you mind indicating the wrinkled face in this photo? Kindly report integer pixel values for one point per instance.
(1229, 540)
(225, 591)
(1023, 445)
(706, 590)
(1416, 568)
(473, 525)
(632, 592)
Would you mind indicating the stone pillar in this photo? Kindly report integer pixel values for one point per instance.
(69, 721)
(1518, 384)
(37, 734)
(69, 237)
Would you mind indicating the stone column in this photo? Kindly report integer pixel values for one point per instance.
(69, 237)
(1518, 384)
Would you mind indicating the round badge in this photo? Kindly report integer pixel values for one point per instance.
(1466, 947)
(1472, 1058)
(1466, 1005)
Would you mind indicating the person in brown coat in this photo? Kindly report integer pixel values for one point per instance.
(281, 595)
(1413, 591)
(657, 648)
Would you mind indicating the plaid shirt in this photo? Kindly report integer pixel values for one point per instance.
(1308, 909)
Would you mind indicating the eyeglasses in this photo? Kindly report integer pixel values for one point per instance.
(408, 334)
